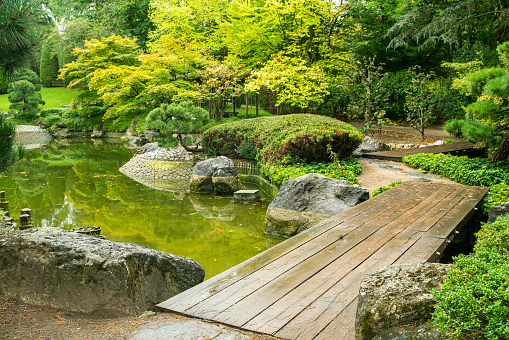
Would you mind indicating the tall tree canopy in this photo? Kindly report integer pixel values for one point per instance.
(20, 31)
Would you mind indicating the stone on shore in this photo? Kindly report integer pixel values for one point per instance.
(397, 296)
(79, 273)
(217, 175)
(307, 200)
(498, 210)
(370, 144)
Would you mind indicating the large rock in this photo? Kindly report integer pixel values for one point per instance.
(398, 296)
(51, 267)
(62, 133)
(131, 130)
(217, 175)
(305, 201)
(98, 133)
(498, 210)
(369, 144)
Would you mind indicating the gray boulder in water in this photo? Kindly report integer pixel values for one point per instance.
(217, 175)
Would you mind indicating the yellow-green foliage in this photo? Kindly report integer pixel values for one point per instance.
(303, 136)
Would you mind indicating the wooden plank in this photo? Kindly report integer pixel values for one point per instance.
(291, 304)
(424, 250)
(457, 217)
(308, 288)
(198, 293)
(342, 326)
(251, 304)
(440, 209)
(318, 315)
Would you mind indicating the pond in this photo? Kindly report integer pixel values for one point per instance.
(76, 183)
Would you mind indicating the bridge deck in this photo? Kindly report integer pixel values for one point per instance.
(307, 286)
(457, 149)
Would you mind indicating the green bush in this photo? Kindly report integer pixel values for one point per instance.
(474, 300)
(299, 135)
(383, 188)
(73, 119)
(279, 173)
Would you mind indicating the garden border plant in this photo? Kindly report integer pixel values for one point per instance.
(474, 301)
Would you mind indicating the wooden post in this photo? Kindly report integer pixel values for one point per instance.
(257, 105)
(247, 105)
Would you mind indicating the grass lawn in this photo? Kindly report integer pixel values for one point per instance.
(53, 96)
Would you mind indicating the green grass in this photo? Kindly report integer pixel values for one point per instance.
(53, 96)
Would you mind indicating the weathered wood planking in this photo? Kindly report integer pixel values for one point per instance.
(307, 286)
(458, 149)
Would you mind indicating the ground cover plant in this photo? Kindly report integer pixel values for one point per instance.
(474, 300)
(383, 188)
(469, 171)
(347, 170)
(299, 135)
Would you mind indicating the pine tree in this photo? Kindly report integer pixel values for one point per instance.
(487, 120)
(23, 93)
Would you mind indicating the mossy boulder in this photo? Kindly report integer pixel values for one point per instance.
(307, 200)
(398, 296)
(215, 175)
(79, 273)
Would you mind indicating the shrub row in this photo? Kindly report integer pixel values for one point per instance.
(474, 301)
(469, 171)
(299, 135)
(85, 119)
(279, 173)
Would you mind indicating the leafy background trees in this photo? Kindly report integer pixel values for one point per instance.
(130, 57)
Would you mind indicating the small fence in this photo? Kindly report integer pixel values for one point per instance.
(246, 168)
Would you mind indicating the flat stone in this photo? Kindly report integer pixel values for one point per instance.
(246, 195)
(184, 330)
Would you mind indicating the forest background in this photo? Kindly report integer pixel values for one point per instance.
(403, 60)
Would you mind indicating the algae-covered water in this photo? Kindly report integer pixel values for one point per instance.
(77, 184)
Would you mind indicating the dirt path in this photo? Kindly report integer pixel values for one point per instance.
(377, 173)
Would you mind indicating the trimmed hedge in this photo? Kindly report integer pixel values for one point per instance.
(474, 301)
(469, 171)
(304, 136)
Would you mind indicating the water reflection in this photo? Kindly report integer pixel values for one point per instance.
(79, 185)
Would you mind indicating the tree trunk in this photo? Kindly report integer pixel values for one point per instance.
(247, 105)
(257, 105)
(197, 148)
(502, 152)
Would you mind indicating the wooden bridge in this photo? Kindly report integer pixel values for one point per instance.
(307, 286)
(457, 149)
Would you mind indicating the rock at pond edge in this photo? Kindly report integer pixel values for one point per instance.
(59, 269)
(307, 200)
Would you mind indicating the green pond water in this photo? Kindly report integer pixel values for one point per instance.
(77, 184)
